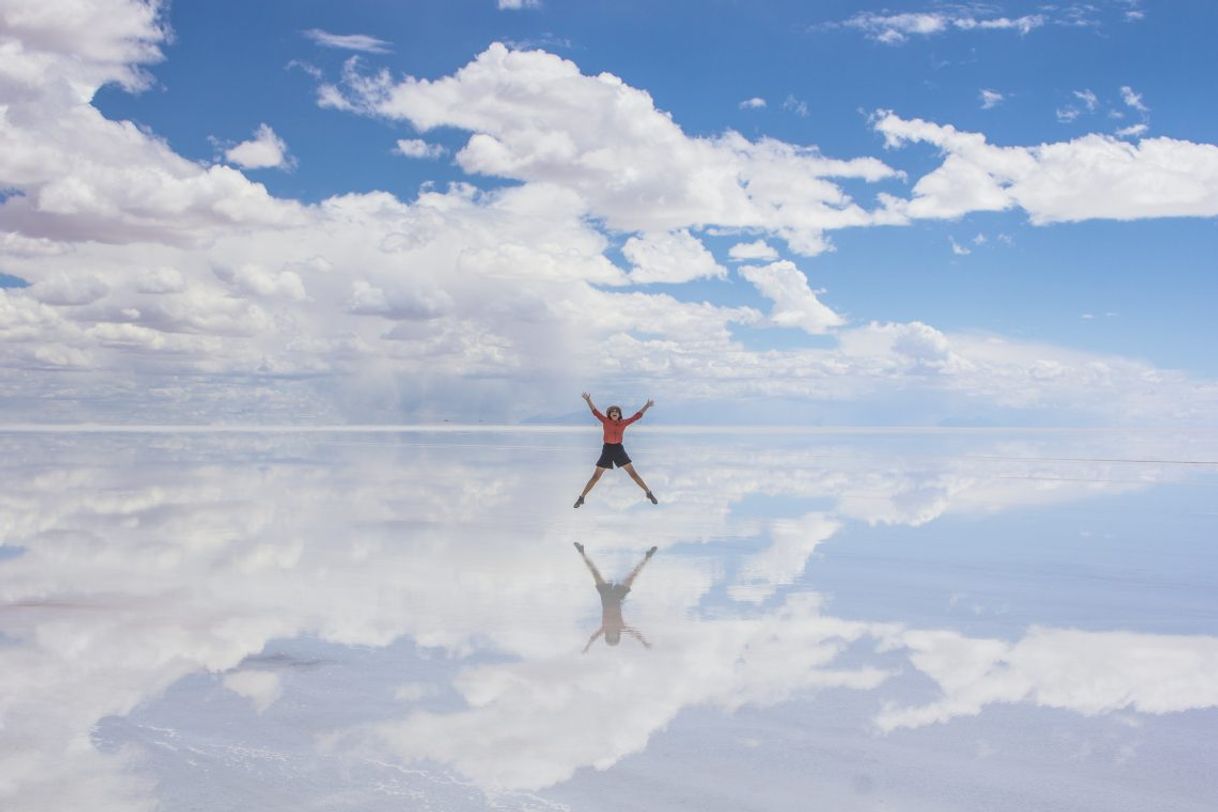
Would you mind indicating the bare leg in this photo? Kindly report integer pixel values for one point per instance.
(634, 573)
(596, 476)
(596, 576)
(635, 476)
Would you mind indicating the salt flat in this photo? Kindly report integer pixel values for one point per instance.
(396, 620)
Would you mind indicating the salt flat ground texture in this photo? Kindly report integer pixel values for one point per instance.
(948, 620)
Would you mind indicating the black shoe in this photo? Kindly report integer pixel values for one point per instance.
(652, 497)
(578, 546)
(579, 501)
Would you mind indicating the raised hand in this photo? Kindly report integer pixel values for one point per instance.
(649, 404)
(586, 397)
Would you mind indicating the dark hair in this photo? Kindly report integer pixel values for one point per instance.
(611, 408)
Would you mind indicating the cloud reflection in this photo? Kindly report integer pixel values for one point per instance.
(145, 560)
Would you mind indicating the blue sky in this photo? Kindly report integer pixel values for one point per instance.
(1100, 248)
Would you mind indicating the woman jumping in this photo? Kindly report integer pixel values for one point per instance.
(613, 453)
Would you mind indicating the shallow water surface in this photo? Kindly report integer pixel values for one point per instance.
(952, 620)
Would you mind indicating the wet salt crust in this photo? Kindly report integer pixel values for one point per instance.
(282, 620)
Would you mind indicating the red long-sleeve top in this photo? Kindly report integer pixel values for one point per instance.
(614, 429)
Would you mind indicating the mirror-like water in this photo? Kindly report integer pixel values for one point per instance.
(376, 621)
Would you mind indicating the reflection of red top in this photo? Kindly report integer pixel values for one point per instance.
(615, 428)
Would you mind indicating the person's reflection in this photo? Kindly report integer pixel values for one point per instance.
(612, 594)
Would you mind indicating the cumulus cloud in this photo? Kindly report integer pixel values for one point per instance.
(84, 177)
(1090, 177)
(758, 249)
(147, 268)
(265, 150)
(349, 42)
(795, 304)
(755, 103)
(674, 257)
(536, 118)
(418, 148)
(81, 46)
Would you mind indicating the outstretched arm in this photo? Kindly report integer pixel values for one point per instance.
(639, 414)
(595, 412)
(637, 636)
(592, 639)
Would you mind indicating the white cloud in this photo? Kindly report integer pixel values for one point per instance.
(349, 42)
(255, 280)
(418, 148)
(308, 68)
(892, 29)
(68, 290)
(758, 249)
(84, 46)
(171, 289)
(1091, 177)
(1132, 130)
(673, 257)
(84, 177)
(755, 103)
(957, 249)
(536, 118)
(1133, 99)
(990, 99)
(516, 5)
(161, 280)
(795, 304)
(414, 691)
(1090, 102)
(265, 151)
(1087, 98)
(796, 106)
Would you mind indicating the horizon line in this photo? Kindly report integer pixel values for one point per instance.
(389, 428)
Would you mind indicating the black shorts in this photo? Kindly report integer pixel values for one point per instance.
(612, 593)
(613, 454)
